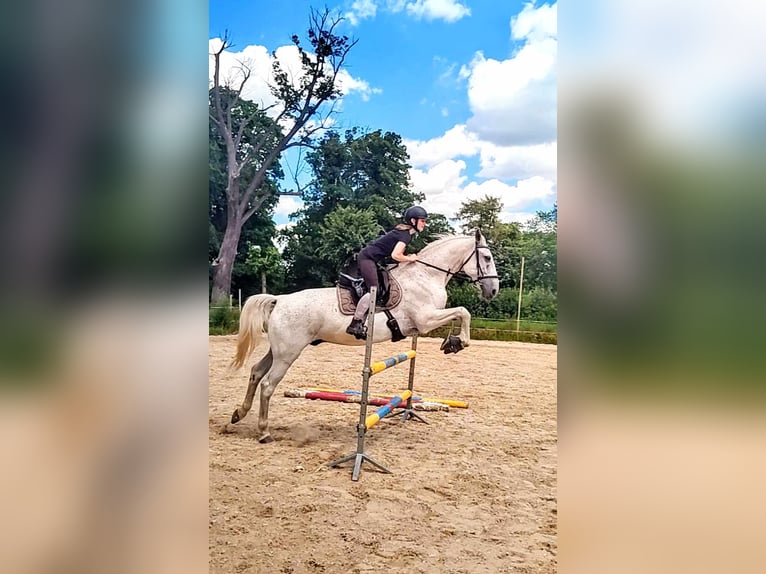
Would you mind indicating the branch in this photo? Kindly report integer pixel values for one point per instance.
(330, 50)
(217, 75)
(255, 207)
(246, 73)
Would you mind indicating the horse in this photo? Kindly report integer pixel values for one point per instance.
(295, 320)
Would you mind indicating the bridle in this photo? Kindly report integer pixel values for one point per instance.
(479, 273)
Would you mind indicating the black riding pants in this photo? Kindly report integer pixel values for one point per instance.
(368, 270)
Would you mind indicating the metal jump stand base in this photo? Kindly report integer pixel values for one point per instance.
(359, 457)
(411, 414)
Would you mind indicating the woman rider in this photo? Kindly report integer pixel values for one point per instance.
(392, 245)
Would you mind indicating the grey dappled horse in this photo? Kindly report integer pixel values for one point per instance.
(295, 320)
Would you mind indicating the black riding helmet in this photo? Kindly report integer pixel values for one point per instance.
(415, 212)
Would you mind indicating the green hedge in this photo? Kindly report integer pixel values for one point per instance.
(482, 334)
(225, 321)
(537, 304)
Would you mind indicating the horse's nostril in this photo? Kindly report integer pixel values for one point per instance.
(493, 292)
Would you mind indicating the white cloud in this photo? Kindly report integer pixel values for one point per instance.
(504, 162)
(526, 192)
(518, 162)
(286, 205)
(535, 23)
(447, 10)
(512, 129)
(255, 58)
(513, 101)
(441, 184)
(445, 188)
(348, 84)
(361, 10)
(455, 142)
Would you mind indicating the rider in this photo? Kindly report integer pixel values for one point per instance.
(392, 245)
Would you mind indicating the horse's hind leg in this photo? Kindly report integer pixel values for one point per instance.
(268, 386)
(256, 373)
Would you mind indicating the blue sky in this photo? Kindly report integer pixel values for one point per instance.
(469, 85)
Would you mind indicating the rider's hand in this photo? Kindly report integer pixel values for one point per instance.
(412, 258)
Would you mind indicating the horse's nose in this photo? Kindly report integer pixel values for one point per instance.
(493, 292)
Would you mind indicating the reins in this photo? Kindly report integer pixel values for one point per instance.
(479, 275)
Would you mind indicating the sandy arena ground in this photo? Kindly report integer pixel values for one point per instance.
(472, 492)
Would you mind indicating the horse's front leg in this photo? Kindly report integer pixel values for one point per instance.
(430, 319)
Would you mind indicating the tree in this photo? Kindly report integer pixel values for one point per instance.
(263, 262)
(540, 260)
(248, 164)
(345, 230)
(485, 214)
(364, 171)
(545, 221)
(259, 229)
(539, 246)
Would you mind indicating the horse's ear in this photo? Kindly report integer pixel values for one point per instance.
(478, 234)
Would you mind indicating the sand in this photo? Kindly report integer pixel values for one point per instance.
(474, 491)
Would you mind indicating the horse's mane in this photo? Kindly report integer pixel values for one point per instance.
(441, 239)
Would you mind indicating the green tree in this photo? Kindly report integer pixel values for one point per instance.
(485, 214)
(248, 163)
(263, 262)
(345, 230)
(538, 245)
(364, 171)
(368, 170)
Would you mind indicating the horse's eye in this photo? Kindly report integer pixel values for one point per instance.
(487, 257)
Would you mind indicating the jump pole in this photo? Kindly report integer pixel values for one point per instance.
(372, 419)
(356, 397)
(447, 402)
(359, 456)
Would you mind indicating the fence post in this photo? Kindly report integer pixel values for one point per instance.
(521, 288)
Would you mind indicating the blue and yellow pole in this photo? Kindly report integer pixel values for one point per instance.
(379, 366)
(387, 408)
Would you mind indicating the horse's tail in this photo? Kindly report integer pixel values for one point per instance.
(253, 322)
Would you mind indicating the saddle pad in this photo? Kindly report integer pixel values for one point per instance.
(346, 302)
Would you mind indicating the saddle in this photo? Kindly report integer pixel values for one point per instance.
(351, 287)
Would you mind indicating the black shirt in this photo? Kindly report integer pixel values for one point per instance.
(382, 247)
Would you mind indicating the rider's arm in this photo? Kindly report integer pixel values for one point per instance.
(398, 253)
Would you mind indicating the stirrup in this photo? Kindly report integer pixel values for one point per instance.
(358, 329)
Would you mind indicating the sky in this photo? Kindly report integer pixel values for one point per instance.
(469, 85)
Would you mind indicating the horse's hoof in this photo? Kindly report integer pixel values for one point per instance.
(266, 439)
(451, 344)
(235, 417)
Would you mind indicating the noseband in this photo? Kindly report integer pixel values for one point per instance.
(479, 273)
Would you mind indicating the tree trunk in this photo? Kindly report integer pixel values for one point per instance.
(263, 282)
(226, 256)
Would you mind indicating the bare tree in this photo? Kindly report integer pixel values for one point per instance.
(299, 112)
